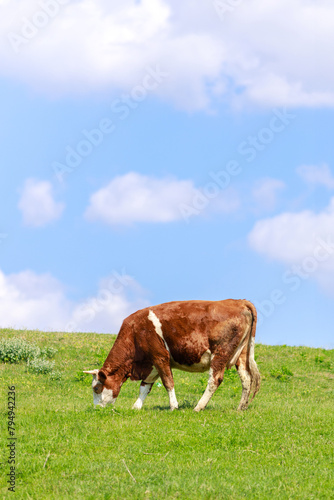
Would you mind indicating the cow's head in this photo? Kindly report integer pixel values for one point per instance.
(103, 391)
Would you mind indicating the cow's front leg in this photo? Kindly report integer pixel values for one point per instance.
(172, 399)
(144, 390)
(166, 376)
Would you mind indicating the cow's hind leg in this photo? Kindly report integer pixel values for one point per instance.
(246, 379)
(234, 336)
(249, 374)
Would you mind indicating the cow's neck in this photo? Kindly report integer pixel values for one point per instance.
(120, 359)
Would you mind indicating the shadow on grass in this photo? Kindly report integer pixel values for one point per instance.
(158, 407)
(185, 405)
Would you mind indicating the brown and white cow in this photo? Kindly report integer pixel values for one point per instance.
(194, 336)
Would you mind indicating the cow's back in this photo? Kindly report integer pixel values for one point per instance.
(191, 329)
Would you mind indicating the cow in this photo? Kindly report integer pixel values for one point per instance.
(193, 336)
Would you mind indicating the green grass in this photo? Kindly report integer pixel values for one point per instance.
(281, 448)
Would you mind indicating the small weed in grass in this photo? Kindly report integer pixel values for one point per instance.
(40, 365)
(283, 374)
(48, 352)
(55, 375)
(15, 350)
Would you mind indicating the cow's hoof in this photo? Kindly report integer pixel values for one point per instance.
(242, 407)
(197, 409)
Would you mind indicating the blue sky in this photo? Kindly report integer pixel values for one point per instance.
(204, 162)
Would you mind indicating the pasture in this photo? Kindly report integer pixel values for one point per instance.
(281, 448)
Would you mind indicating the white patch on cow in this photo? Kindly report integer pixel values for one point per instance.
(208, 393)
(106, 398)
(97, 398)
(202, 366)
(152, 376)
(95, 382)
(172, 400)
(143, 392)
(138, 404)
(157, 325)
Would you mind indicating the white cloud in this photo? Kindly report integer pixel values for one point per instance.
(32, 301)
(289, 237)
(37, 204)
(138, 198)
(134, 197)
(273, 54)
(114, 301)
(317, 175)
(265, 192)
(304, 239)
(39, 301)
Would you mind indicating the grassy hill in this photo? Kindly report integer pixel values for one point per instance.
(282, 447)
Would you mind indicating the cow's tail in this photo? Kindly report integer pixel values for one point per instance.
(253, 369)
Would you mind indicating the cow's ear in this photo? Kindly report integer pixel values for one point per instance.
(102, 377)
